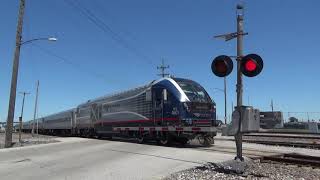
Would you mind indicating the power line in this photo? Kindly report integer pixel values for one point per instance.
(71, 63)
(106, 28)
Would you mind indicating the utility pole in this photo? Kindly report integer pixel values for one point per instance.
(35, 110)
(20, 118)
(272, 105)
(240, 34)
(225, 100)
(14, 78)
(232, 108)
(162, 68)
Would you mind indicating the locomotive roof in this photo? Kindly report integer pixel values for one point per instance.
(118, 95)
(131, 92)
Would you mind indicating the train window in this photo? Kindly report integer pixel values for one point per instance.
(194, 91)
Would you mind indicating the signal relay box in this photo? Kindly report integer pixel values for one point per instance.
(250, 120)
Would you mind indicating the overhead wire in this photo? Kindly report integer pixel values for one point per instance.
(106, 29)
(71, 63)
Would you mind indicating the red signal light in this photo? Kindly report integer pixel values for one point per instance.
(251, 65)
(222, 66)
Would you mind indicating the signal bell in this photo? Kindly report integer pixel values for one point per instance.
(251, 65)
(222, 66)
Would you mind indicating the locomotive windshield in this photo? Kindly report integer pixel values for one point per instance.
(193, 90)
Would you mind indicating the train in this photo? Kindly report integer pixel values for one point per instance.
(167, 110)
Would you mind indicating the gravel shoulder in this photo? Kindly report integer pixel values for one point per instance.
(253, 170)
(27, 139)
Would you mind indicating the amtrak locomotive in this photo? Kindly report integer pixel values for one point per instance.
(166, 110)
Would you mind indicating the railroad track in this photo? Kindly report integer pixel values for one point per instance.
(285, 143)
(279, 135)
(251, 153)
(294, 159)
(269, 156)
(289, 140)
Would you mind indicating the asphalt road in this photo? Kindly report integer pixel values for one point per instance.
(79, 158)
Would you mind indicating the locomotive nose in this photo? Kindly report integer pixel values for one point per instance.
(202, 114)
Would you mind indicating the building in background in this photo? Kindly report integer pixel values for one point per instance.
(2, 127)
(271, 119)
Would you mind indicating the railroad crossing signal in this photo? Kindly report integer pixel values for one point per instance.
(250, 65)
(222, 66)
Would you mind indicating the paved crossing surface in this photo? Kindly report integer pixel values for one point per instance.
(80, 158)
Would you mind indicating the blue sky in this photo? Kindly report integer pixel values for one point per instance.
(284, 33)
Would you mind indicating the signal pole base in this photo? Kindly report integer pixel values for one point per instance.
(234, 166)
(238, 140)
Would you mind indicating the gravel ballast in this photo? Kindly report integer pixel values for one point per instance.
(253, 170)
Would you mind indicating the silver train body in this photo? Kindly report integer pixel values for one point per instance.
(166, 110)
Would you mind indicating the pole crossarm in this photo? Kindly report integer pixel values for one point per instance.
(162, 68)
(230, 36)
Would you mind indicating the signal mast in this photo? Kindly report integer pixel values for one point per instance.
(250, 65)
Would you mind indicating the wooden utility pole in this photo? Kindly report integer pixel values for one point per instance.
(20, 118)
(14, 78)
(35, 110)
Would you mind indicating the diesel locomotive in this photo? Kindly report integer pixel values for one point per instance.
(166, 110)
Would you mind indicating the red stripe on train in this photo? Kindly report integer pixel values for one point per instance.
(135, 121)
(179, 129)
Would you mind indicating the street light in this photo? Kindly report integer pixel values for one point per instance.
(225, 99)
(14, 78)
(37, 39)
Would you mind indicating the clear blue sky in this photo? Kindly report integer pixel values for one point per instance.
(285, 33)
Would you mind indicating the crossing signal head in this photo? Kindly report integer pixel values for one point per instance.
(251, 65)
(222, 66)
